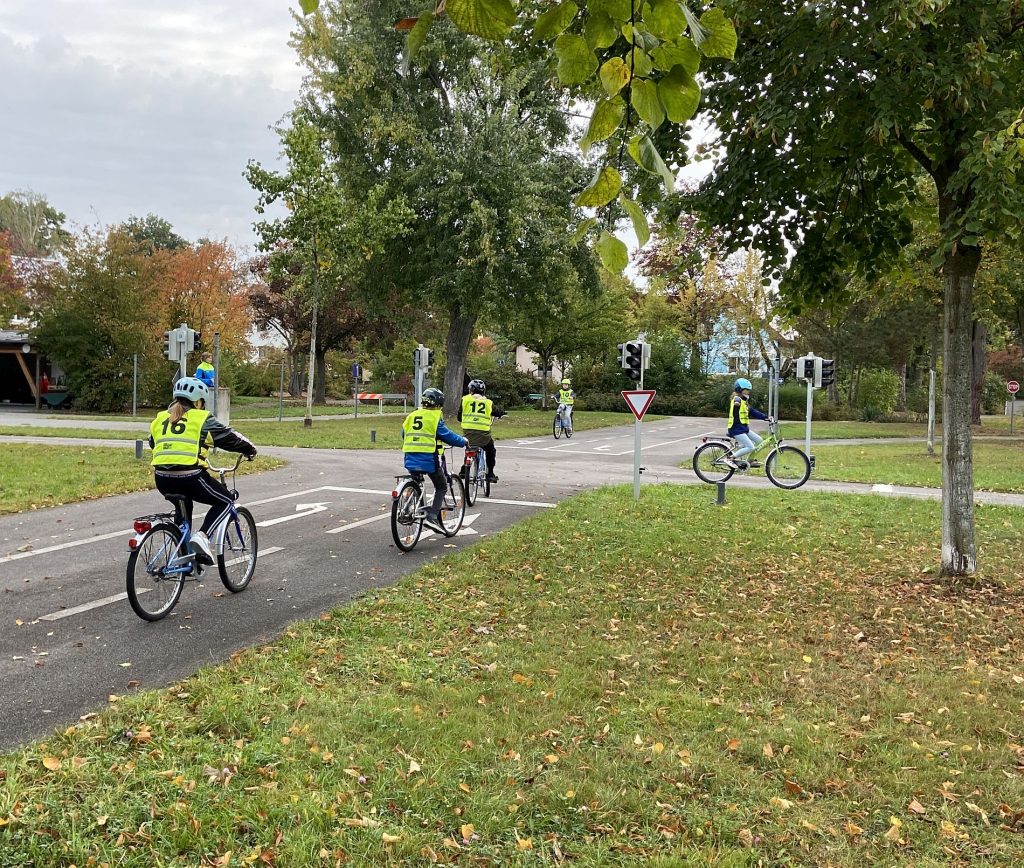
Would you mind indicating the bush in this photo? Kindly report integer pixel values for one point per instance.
(507, 386)
(994, 394)
(878, 389)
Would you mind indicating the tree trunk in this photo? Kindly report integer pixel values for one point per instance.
(294, 373)
(460, 334)
(959, 553)
(979, 362)
(933, 362)
(320, 381)
(901, 396)
(545, 366)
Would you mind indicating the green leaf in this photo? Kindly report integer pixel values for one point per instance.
(721, 38)
(636, 214)
(679, 94)
(605, 120)
(646, 156)
(613, 252)
(666, 19)
(576, 62)
(645, 101)
(698, 33)
(617, 10)
(491, 19)
(581, 230)
(605, 187)
(414, 41)
(644, 38)
(639, 62)
(600, 31)
(309, 6)
(682, 53)
(614, 75)
(554, 21)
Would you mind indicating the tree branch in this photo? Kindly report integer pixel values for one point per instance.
(917, 153)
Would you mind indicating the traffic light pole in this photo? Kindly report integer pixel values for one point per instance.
(637, 447)
(810, 410)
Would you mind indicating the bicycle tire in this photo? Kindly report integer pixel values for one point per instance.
(406, 526)
(238, 552)
(556, 427)
(452, 517)
(788, 467)
(487, 482)
(704, 463)
(156, 549)
(471, 479)
(568, 432)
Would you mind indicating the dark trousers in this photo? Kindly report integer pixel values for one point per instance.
(196, 487)
(484, 440)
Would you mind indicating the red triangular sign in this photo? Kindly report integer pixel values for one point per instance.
(639, 400)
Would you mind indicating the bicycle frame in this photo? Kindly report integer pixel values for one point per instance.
(481, 466)
(772, 441)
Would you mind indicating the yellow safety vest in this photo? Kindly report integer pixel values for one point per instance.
(179, 443)
(744, 410)
(420, 431)
(476, 413)
(565, 397)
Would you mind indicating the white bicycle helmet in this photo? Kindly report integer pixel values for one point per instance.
(192, 388)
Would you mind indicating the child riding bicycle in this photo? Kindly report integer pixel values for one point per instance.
(180, 437)
(477, 415)
(566, 398)
(740, 412)
(424, 435)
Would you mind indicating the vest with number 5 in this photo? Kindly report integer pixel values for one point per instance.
(179, 443)
(420, 431)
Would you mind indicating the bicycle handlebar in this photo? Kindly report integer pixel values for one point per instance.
(225, 470)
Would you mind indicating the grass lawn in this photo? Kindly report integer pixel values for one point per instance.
(86, 433)
(355, 433)
(779, 681)
(36, 476)
(991, 426)
(998, 466)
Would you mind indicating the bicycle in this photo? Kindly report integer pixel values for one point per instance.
(162, 560)
(409, 507)
(475, 474)
(786, 466)
(562, 423)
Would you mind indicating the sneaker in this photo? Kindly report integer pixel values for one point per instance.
(741, 464)
(201, 546)
(492, 477)
(754, 463)
(433, 521)
(731, 463)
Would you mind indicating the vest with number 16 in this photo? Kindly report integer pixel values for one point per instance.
(181, 442)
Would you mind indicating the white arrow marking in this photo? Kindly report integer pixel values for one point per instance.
(301, 506)
(360, 523)
(270, 521)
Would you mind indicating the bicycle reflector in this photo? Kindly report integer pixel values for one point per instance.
(142, 526)
(394, 492)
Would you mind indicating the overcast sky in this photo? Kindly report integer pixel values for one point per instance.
(118, 107)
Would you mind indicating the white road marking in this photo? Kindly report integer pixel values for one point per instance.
(359, 523)
(282, 519)
(127, 532)
(516, 502)
(115, 598)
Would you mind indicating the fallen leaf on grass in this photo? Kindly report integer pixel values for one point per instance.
(895, 830)
(733, 744)
(467, 831)
(767, 751)
(852, 829)
(52, 763)
(915, 807)
(524, 843)
(391, 839)
(746, 837)
(360, 822)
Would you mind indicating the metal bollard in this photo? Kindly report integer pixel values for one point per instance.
(721, 494)
(373, 435)
(138, 449)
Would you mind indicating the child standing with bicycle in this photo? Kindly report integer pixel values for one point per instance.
(423, 437)
(740, 412)
(180, 437)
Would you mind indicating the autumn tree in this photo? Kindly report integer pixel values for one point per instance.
(36, 228)
(827, 115)
(12, 290)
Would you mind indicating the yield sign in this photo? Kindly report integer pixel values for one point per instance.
(639, 400)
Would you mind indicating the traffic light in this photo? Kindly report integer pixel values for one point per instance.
(824, 373)
(430, 358)
(803, 368)
(197, 341)
(171, 344)
(423, 358)
(622, 355)
(634, 359)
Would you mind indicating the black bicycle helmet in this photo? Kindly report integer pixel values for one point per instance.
(477, 387)
(433, 398)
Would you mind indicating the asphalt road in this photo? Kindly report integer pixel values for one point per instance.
(62, 570)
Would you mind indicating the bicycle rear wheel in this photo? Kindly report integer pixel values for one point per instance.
(406, 525)
(471, 479)
(236, 560)
(556, 427)
(709, 463)
(788, 467)
(454, 510)
(151, 595)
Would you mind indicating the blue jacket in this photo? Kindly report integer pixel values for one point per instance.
(426, 462)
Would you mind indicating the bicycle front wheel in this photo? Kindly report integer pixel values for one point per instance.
(150, 593)
(556, 427)
(454, 510)
(471, 479)
(406, 522)
(236, 560)
(788, 467)
(568, 431)
(709, 463)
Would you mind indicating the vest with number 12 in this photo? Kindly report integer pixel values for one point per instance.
(476, 413)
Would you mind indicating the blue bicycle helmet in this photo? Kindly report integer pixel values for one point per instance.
(742, 383)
